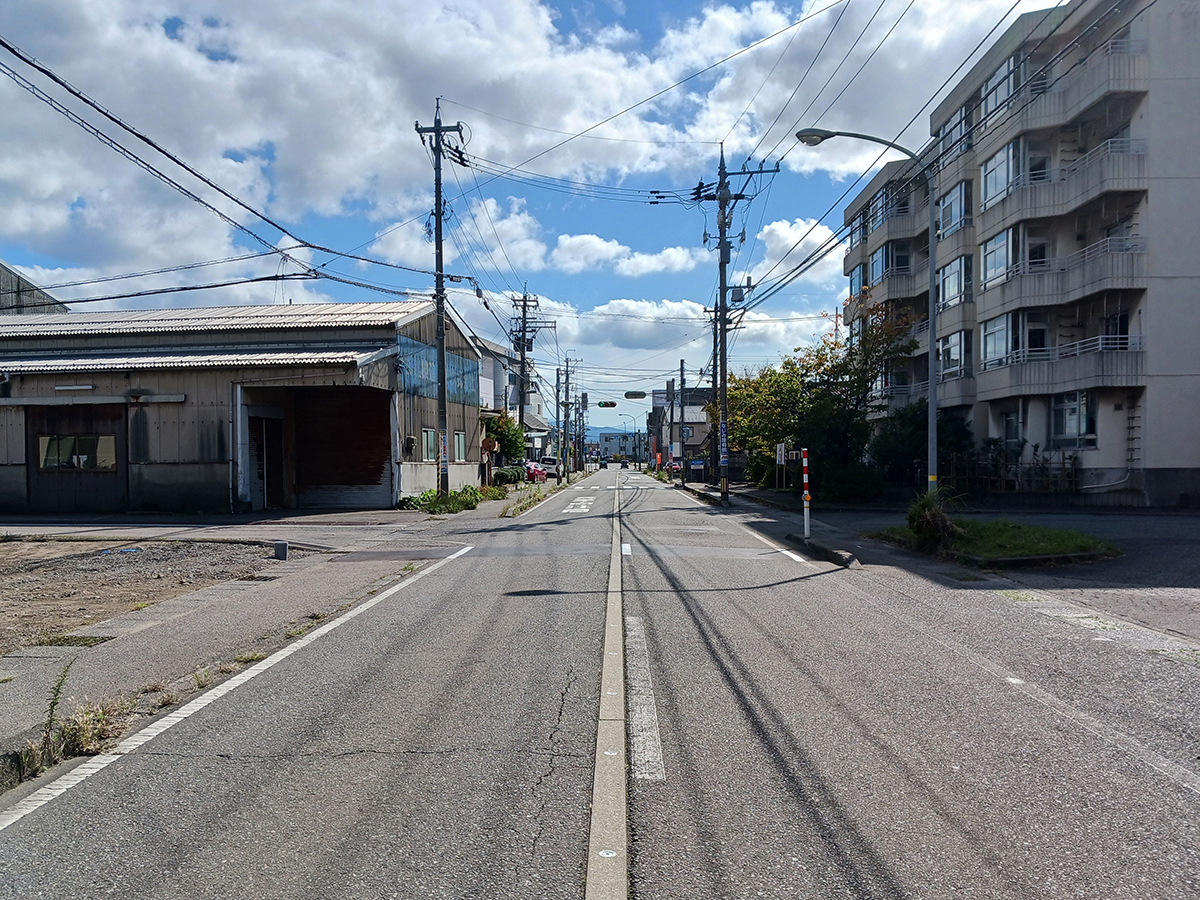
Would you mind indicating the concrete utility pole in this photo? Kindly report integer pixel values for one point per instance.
(522, 331)
(558, 422)
(682, 435)
(726, 200)
(670, 425)
(439, 290)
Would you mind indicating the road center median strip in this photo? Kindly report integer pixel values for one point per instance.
(82, 772)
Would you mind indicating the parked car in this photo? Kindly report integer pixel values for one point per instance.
(549, 463)
(675, 468)
(534, 471)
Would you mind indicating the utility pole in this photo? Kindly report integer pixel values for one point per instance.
(726, 200)
(439, 291)
(682, 435)
(522, 331)
(670, 425)
(558, 454)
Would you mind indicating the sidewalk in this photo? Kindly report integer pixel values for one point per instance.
(1155, 583)
(352, 555)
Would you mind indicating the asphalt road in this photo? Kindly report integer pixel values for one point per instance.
(794, 730)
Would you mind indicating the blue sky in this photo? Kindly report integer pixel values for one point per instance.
(305, 110)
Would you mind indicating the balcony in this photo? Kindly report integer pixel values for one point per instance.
(1100, 361)
(1117, 263)
(900, 282)
(1115, 165)
(1118, 67)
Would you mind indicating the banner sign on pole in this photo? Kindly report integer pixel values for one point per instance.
(445, 454)
(724, 431)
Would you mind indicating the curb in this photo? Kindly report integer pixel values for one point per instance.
(1012, 562)
(843, 558)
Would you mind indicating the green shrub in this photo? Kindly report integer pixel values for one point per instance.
(932, 529)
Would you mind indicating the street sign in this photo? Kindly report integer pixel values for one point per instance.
(724, 444)
(635, 395)
(780, 454)
(697, 464)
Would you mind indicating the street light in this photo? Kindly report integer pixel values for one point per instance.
(632, 419)
(810, 137)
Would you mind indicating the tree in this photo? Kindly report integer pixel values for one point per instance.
(819, 398)
(508, 433)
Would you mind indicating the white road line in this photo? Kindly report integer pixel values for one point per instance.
(608, 837)
(80, 773)
(770, 543)
(626, 550)
(645, 747)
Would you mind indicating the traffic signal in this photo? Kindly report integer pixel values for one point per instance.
(607, 404)
(583, 400)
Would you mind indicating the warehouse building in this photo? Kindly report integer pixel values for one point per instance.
(231, 408)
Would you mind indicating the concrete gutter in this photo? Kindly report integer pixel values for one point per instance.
(819, 549)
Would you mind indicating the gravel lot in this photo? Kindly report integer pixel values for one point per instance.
(48, 588)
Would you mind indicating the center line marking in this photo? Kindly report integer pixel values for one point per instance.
(626, 550)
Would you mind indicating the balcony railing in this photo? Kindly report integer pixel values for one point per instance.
(1112, 147)
(1098, 250)
(1101, 343)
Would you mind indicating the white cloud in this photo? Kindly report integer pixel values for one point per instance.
(672, 259)
(789, 243)
(581, 252)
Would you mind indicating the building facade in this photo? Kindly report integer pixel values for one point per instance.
(233, 408)
(1067, 179)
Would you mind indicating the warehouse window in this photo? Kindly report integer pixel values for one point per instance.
(77, 452)
(460, 446)
(428, 443)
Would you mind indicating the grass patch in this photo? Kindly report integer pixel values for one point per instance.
(998, 539)
(89, 730)
(72, 640)
(468, 497)
(247, 658)
(5, 679)
(1022, 596)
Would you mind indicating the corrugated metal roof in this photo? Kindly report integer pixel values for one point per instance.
(215, 318)
(182, 361)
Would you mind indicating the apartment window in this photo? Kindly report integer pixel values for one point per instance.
(954, 355)
(857, 280)
(1073, 420)
(996, 335)
(856, 331)
(878, 208)
(954, 282)
(1000, 86)
(955, 209)
(858, 229)
(77, 452)
(999, 253)
(998, 174)
(460, 446)
(955, 135)
(429, 443)
(878, 264)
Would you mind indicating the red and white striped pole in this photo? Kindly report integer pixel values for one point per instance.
(804, 459)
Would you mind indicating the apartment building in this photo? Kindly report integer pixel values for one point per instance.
(1066, 169)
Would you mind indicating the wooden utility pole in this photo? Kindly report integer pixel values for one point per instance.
(439, 291)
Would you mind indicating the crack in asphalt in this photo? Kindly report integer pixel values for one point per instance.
(553, 754)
